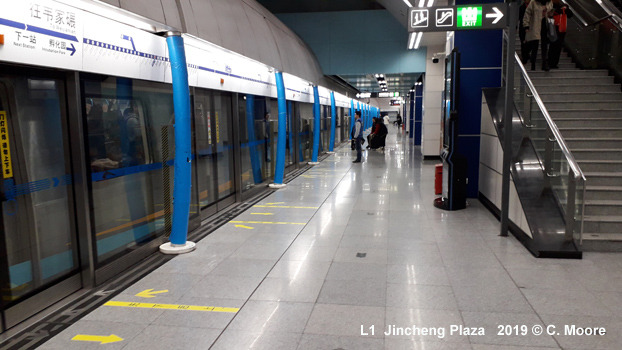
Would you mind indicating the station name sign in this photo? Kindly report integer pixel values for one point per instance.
(454, 18)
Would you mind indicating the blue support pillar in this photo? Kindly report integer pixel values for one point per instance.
(418, 102)
(279, 168)
(351, 116)
(316, 125)
(183, 152)
(333, 121)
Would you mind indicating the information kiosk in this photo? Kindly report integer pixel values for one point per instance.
(454, 163)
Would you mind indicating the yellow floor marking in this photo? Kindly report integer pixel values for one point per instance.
(149, 293)
(268, 222)
(283, 206)
(262, 214)
(275, 203)
(172, 306)
(246, 227)
(102, 339)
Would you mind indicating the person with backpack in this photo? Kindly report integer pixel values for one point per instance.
(357, 136)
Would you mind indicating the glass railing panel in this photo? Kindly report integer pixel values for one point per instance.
(561, 172)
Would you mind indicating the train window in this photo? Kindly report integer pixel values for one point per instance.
(131, 149)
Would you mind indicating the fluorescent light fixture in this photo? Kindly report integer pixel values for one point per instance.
(408, 3)
(376, 75)
(419, 36)
(411, 40)
(421, 3)
(430, 3)
(382, 75)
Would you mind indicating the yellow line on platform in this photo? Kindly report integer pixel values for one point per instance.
(267, 222)
(283, 206)
(172, 306)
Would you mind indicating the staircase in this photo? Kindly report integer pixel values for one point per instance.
(586, 105)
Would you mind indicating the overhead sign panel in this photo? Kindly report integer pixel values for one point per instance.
(454, 18)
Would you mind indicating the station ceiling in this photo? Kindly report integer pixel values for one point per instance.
(364, 82)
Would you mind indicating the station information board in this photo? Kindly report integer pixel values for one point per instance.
(461, 17)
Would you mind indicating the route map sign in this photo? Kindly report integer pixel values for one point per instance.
(454, 18)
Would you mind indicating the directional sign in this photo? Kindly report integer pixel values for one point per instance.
(455, 18)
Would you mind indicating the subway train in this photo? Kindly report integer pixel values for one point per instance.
(86, 126)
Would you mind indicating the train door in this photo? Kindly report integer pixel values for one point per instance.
(214, 150)
(38, 243)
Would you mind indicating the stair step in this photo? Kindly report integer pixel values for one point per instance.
(600, 165)
(602, 223)
(603, 207)
(581, 96)
(539, 81)
(597, 154)
(602, 236)
(603, 193)
(574, 105)
(578, 88)
(569, 73)
(591, 131)
(563, 122)
(584, 113)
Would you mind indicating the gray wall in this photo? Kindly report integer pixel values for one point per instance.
(242, 26)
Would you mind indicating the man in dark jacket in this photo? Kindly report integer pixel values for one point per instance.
(357, 136)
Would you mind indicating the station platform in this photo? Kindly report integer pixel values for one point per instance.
(348, 251)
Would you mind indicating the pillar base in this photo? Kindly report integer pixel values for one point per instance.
(174, 249)
(277, 186)
(313, 163)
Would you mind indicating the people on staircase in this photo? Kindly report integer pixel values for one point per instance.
(534, 22)
(562, 13)
(524, 44)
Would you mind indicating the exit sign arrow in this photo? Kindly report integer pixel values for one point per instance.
(497, 15)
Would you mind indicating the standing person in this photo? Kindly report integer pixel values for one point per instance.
(266, 135)
(375, 131)
(535, 27)
(556, 47)
(386, 120)
(357, 136)
(399, 121)
(524, 45)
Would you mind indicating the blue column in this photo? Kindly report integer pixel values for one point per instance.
(252, 142)
(333, 120)
(418, 103)
(279, 169)
(316, 124)
(411, 115)
(183, 151)
(351, 116)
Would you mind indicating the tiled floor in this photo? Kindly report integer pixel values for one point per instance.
(307, 286)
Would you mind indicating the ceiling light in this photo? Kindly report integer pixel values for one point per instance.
(408, 3)
(382, 75)
(421, 3)
(411, 40)
(376, 75)
(418, 41)
(430, 3)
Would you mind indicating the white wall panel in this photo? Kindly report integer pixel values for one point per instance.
(171, 14)
(268, 52)
(433, 99)
(188, 15)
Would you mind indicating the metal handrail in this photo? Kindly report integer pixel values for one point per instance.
(556, 133)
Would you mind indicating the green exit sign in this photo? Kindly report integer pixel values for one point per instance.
(469, 17)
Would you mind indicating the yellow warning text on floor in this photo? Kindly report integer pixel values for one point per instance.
(283, 206)
(268, 222)
(102, 339)
(5, 148)
(172, 306)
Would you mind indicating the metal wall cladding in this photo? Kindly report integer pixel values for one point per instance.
(244, 27)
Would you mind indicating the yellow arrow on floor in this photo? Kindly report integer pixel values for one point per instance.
(262, 214)
(148, 293)
(102, 339)
(275, 203)
(246, 227)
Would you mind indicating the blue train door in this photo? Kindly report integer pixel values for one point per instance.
(39, 262)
